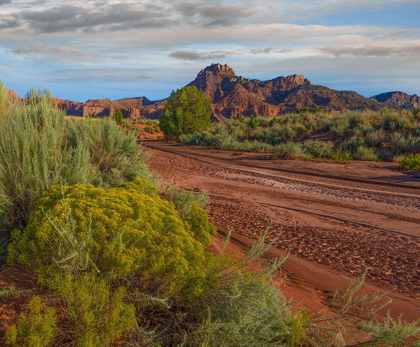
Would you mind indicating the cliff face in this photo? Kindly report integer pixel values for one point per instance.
(131, 108)
(398, 100)
(232, 94)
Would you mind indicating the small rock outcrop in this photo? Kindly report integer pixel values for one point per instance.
(398, 100)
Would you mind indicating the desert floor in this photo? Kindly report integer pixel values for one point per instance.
(336, 219)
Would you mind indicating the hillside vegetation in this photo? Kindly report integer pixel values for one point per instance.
(312, 133)
(122, 263)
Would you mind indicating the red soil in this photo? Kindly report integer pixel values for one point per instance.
(336, 219)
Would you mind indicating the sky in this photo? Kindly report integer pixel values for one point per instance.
(114, 49)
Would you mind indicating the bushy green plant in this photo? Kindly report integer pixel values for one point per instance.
(364, 153)
(340, 156)
(184, 200)
(118, 116)
(402, 144)
(123, 231)
(187, 110)
(35, 328)
(40, 147)
(98, 314)
(318, 149)
(115, 156)
(289, 150)
(34, 156)
(411, 162)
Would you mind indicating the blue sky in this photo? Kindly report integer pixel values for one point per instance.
(115, 49)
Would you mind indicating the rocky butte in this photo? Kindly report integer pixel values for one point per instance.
(398, 100)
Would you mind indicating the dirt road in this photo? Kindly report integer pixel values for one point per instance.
(337, 220)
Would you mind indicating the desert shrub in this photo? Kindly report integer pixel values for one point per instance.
(33, 157)
(318, 149)
(402, 144)
(375, 138)
(35, 328)
(257, 146)
(364, 153)
(395, 122)
(123, 231)
(114, 155)
(299, 129)
(40, 148)
(187, 110)
(390, 332)
(352, 145)
(411, 162)
(246, 311)
(340, 126)
(184, 200)
(5, 101)
(289, 150)
(340, 156)
(416, 111)
(98, 314)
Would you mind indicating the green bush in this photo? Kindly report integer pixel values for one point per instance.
(40, 148)
(98, 314)
(184, 201)
(115, 156)
(124, 231)
(411, 162)
(187, 110)
(289, 150)
(340, 156)
(118, 116)
(35, 328)
(318, 149)
(363, 153)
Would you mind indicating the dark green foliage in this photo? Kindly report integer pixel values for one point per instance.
(252, 122)
(187, 110)
(118, 116)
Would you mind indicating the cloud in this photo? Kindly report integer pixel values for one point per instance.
(373, 51)
(103, 75)
(5, 2)
(268, 50)
(70, 18)
(61, 53)
(213, 14)
(194, 55)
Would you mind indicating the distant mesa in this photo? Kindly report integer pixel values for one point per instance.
(232, 94)
(398, 100)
